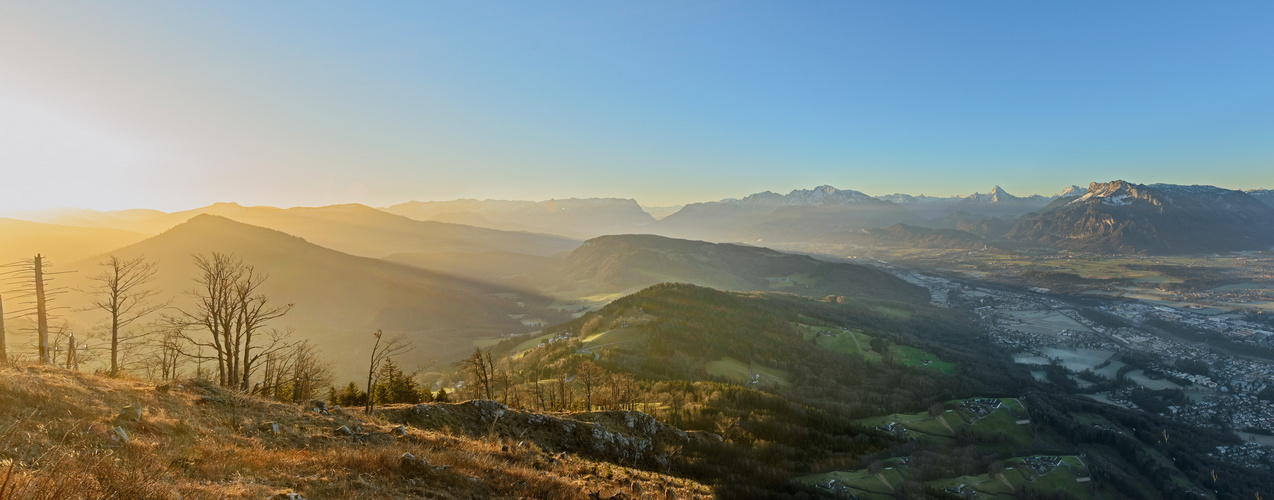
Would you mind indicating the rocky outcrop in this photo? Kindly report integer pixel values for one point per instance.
(624, 437)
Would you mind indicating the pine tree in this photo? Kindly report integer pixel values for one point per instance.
(396, 387)
(351, 396)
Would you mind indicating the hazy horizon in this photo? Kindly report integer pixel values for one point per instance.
(179, 105)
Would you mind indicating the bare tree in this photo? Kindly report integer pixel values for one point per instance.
(590, 375)
(294, 374)
(254, 312)
(380, 353)
(162, 353)
(120, 290)
(481, 365)
(235, 315)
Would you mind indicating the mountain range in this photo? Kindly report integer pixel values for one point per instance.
(771, 217)
(1122, 217)
(997, 202)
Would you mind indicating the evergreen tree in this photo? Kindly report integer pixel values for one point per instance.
(396, 387)
(351, 396)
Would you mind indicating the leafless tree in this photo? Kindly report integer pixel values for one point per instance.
(162, 358)
(231, 310)
(590, 375)
(380, 353)
(121, 291)
(481, 365)
(294, 374)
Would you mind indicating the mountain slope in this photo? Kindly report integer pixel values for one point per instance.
(340, 299)
(622, 263)
(62, 244)
(362, 230)
(772, 217)
(83, 217)
(573, 217)
(1266, 196)
(1157, 219)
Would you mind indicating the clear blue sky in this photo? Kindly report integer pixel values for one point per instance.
(173, 105)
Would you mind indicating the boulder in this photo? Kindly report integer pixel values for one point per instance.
(130, 413)
(119, 435)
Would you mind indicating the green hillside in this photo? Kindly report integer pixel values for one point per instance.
(804, 392)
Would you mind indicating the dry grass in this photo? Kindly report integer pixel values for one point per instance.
(195, 441)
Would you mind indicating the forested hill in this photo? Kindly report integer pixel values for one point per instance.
(799, 387)
(626, 263)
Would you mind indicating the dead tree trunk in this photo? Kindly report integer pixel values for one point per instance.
(72, 357)
(41, 310)
(4, 355)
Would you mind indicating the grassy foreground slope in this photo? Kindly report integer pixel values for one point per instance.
(62, 436)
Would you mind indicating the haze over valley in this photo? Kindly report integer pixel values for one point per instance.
(574, 250)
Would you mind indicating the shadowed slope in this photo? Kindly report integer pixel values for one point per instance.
(616, 264)
(340, 299)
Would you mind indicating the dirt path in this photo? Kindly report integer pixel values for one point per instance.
(881, 477)
(942, 420)
(860, 346)
(1005, 480)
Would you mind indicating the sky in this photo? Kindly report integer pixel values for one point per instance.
(174, 105)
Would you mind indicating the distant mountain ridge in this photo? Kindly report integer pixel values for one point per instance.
(64, 244)
(1119, 216)
(769, 216)
(351, 228)
(572, 217)
(997, 202)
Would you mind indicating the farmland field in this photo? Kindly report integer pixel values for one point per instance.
(736, 370)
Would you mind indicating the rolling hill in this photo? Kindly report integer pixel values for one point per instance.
(624, 263)
(1121, 217)
(340, 298)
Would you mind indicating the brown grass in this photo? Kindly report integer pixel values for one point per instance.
(55, 442)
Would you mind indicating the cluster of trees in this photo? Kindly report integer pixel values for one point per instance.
(392, 386)
(227, 324)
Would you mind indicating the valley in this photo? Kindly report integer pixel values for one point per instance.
(872, 362)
